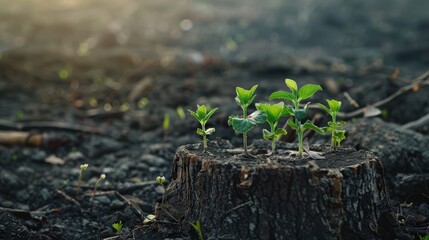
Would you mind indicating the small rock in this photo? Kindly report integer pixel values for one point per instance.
(100, 146)
(9, 180)
(45, 194)
(141, 166)
(22, 195)
(75, 156)
(116, 204)
(7, 204)
(38, 155)
(2, 228)
(120, 174)
(424, 209)
(24, 171)
(103, 200)
(159, 190)
(153, 160)
(85, 222)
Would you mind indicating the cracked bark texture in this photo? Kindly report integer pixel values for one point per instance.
(236, 198)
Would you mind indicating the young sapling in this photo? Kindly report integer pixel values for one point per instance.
(202, 116)
(100, 179)
(161, 181)
(296, 95)
(334, 127)
(197, 227)
(83, 167)
(273, 112)
(166, 125)
(118, 226)
(245, 123)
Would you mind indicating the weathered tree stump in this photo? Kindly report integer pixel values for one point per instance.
(276, 197)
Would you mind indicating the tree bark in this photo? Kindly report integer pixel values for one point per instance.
(236, 197)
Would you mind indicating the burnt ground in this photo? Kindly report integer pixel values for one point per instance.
(96, 79)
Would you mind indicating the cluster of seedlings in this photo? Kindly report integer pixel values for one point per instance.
(273, 112)
(83, 167)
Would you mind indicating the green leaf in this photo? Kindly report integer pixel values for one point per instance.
(341, 123)
(339, 136)
(201, 112)
(310, 125)
(300, 114)
(273, 111)
(287, 111)
(258, 116)
(210, 131)
(194, 114)
(245, 97)
(292, 85)
(200, 132)
(241, 125)
(267, 134)
(292, 124)
(282, 95)
(334, 105)
(209, 115)
(325, 108)
(308, 90)
(336, 125)
(280, 131)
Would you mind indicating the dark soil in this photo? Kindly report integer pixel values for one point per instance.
(96, 78)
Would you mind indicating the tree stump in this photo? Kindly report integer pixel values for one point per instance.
(235, 196)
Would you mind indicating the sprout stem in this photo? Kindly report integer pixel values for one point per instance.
(299, 131)
(203, 126)
(245, 134)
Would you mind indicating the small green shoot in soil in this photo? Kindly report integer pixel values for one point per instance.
(334, 127)
(118, 226)
(161, 181)
(296, 95)
(197, 228)
(245, 123)
(202, 116)
(426, 237)
(180, 112)
(273, 112)
(166, 125)
(83, 168)
(100, 179)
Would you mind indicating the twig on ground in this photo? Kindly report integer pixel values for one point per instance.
(37, 215)
(351, 100)
(417, 123)
(419, 81)
(67, 197)
(21, 126)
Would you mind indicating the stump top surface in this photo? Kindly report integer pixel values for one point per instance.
(285, 155)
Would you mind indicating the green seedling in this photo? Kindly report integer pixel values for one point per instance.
(100, 179)
(180, 112)
(334, 127)
(83, 168)
(166, 125)
(296, 96)
(118, 226)
(246, 122)
(197, 228)
(161, 181)
(426, 237)
(273, 112)
(203, 117)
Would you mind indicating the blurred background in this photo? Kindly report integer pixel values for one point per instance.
(128, 54)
